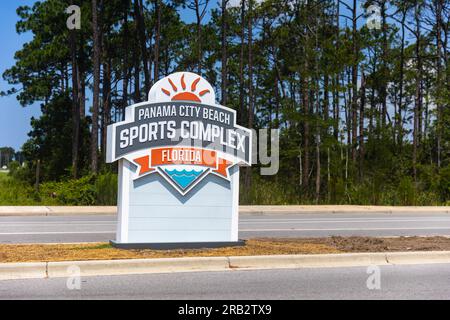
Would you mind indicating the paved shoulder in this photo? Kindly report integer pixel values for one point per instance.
(54, 229)
(396, 282)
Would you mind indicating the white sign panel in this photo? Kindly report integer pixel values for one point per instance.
(179, 156)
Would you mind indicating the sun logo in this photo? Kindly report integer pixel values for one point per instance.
(185, 95)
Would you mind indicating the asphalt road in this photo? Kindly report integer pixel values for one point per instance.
(396, 282)
(56, 229)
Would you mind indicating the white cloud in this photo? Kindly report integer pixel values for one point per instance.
(237, 3)
(233, 3)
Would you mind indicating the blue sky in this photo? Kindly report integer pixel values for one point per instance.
(14, 119)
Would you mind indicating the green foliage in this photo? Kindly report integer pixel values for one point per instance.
(444, 184)
(372, 191)
(96, 247)
(407, 192)
(14, 192)
(307, 71)
(50, 140)
(23, 173)
(268, 192)
(71, 192)
(13, 168)
(88, 190)
(106, 189)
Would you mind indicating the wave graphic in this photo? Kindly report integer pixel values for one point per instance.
(184, 178)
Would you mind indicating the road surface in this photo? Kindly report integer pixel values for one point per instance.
(396, 282)
(66, 229)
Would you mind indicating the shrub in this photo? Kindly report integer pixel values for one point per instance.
(444, 184)
(23, 173)
(88, 190)
(72, 192)
(13, 167)
(407, 191)
(14, 192)
(106, 189)
(268, 192)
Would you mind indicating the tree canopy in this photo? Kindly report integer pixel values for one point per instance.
(360, 90)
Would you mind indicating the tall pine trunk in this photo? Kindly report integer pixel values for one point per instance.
(224, 52)
(336, 94)
(241, 67)
(106, 116)
(402, 76)
(157, 39)
(385, 75)
(75, 106)
(248, 173)
(139, 16)
(354, 84)
(439, 6)
(125, 67)
(418, 91)
(96, 88)
(361, 126)
(305, 102)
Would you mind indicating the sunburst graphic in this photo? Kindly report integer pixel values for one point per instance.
(185, 95)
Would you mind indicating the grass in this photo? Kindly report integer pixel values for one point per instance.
(103, 251)
(102, 190)
(88, 190)
(13, 193)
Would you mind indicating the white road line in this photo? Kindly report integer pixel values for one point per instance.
(277, 221)
(328, 217)
(57, 225)
(68, 232)
(345, 229)
(337, 221)
(349, 219)
(242, 230)
(54, 223)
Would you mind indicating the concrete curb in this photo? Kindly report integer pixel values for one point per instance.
(12, 271)
(24, 211)
(138, 266)
(418, 257)
(245, 210)
(309, 261)
(255, 210)
(57, 211)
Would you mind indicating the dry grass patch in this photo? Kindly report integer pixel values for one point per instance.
(103, 251)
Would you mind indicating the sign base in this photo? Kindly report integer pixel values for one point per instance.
(180, 245)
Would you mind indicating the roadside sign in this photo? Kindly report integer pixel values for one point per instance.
(179, 155)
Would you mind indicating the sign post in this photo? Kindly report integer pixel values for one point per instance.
(179, 156)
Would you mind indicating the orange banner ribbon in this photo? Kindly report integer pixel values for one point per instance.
(183, 156)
